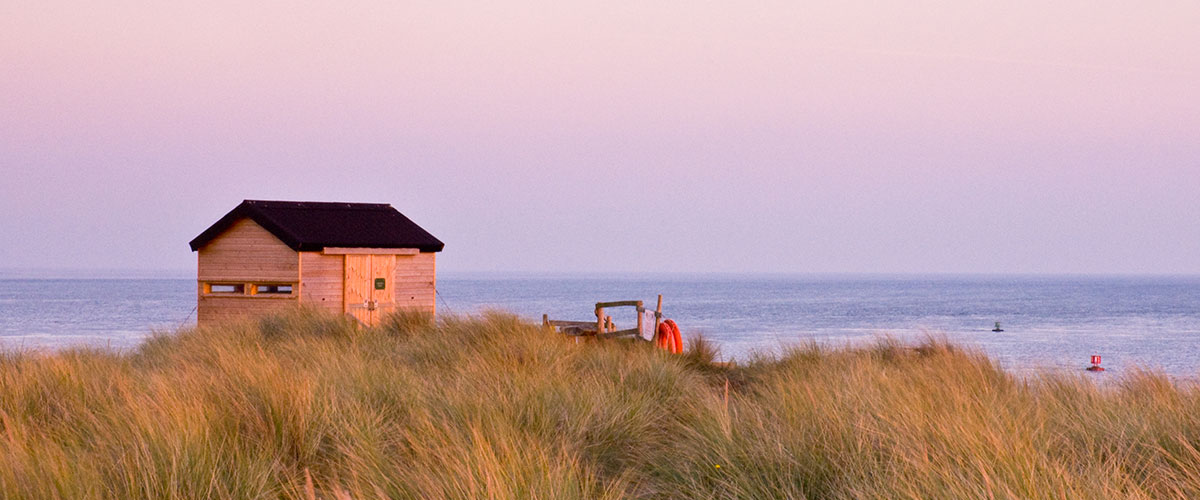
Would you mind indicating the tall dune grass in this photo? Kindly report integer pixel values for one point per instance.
(305, 405)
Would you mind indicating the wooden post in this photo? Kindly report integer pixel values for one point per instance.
(599, 320)
(640, 309)
(545, 320)
(658, 313)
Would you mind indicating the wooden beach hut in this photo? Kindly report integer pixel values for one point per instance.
(361, 259)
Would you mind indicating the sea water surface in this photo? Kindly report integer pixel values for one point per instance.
(1050, 322)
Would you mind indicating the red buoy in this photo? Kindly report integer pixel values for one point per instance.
(1095, 364)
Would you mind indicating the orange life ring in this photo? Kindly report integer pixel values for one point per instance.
(676, 338)
(663, 339)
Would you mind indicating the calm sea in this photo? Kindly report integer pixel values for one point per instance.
(1049, 322)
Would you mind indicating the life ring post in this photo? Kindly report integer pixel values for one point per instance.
(658, 313)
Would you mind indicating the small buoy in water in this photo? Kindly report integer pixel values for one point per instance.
(1095, 364)
(997, 328)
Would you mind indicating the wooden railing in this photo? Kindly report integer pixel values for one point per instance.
(604, 327)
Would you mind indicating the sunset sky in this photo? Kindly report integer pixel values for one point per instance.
(552, 136)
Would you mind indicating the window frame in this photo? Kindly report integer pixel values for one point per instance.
(250, 289)
(239, 289)
(254, 289)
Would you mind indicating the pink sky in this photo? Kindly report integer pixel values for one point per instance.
(573, 136)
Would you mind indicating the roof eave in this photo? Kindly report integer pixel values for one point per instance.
(248, 209)
(243, 211)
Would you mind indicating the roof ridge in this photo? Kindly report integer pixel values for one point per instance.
(327, 203)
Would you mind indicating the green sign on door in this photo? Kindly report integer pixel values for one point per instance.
(380, 284)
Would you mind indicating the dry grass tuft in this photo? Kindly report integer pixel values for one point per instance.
(305, 405)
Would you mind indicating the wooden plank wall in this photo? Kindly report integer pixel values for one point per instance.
(244, 253)
(247, 252)
(416, 282)
(322, 285)
(216, 309)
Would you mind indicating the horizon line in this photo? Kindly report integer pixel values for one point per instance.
(18, 273)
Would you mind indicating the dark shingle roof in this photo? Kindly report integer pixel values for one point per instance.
(310, 226)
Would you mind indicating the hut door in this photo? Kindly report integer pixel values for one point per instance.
(357, 299)
(383, 286)
(369, 288)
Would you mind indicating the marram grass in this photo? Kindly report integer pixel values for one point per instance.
(304, 405)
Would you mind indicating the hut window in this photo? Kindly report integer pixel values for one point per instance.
(234, 288)
(268, 288)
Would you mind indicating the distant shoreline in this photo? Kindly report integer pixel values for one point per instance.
(75, 273)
